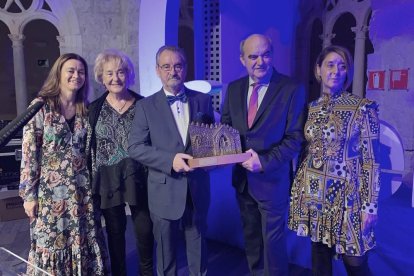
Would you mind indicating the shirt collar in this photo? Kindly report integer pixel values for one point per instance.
(168, 93)
(251, 82)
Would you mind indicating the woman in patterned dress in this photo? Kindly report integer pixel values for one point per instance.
(65, 233)
(335, 191)
(116, 178)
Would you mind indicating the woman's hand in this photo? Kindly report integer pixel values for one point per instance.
(368, 221)
(30, 208)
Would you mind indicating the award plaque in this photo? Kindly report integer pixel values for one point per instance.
(215, 144)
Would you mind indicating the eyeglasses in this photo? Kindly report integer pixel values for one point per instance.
(168, 67)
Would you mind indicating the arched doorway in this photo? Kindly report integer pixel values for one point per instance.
(344, 36)
(59, 21)
(7, 93)
(41, 49)
(315, 49)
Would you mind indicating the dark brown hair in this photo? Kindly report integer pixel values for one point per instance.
(50, 90)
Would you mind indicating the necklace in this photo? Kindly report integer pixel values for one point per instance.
(122, 107)
(119, 109)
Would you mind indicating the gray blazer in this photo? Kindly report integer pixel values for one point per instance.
(154, 141)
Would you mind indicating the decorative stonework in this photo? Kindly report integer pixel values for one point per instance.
(16, 14)
(9, 3)
(17, 40)
(330, 4)
(18, 7)
(213, 140)
(360, 31)
(326, 39)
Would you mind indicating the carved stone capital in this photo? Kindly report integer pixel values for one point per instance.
(61, 40)
(360, 31)
(326, 39)
(17, 40)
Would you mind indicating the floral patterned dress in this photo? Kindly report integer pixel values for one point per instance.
(66, 237)
(339, 176)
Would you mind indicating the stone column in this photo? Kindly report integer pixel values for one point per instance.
(358, 86)
(326, 39)
(62, 44)
(19, 72)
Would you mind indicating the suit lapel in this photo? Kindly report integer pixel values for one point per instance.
(165, 112)
(273, 89)
(243, 101)
(193, 108)
(192, 105)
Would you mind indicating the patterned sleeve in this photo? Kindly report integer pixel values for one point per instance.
(369, 146)
(31, 157)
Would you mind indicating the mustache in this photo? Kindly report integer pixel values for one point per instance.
(174, 77)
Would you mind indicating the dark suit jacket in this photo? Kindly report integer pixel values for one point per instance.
(154, 141)
(276, 134)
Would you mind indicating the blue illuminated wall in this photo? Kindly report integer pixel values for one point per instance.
(240, 18)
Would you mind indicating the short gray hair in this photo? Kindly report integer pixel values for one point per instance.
(117, 56)
(174, 49)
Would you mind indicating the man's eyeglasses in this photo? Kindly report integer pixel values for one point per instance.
(168, 67)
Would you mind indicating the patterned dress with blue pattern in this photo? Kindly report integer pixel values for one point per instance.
(338, 178)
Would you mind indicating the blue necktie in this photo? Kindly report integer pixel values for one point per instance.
(180, 97)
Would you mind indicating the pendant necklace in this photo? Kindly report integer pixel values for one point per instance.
(122, 107)
(119, 109)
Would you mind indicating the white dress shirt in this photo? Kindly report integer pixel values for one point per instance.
(261, 93)
(181, 115)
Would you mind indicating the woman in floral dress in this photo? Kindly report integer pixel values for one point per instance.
(335, 192)
(65, 232)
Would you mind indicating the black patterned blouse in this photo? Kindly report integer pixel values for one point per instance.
(112, 130)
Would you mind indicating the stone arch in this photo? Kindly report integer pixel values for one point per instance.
(329, 11)
(308, 44)
(315, 47)
(61, 14)
(332, 22)
(342, 29)
(41, 49)
(7, 94)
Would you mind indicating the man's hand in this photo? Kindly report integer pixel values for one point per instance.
(30, 208)
(180, 164)
(253, 163)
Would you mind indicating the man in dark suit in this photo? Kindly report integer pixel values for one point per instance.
(269, 110)
(178, 196)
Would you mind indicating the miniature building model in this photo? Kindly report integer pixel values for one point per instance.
(214, 140)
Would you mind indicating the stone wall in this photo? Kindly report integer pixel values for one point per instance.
(392, 35)
(108, 24)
